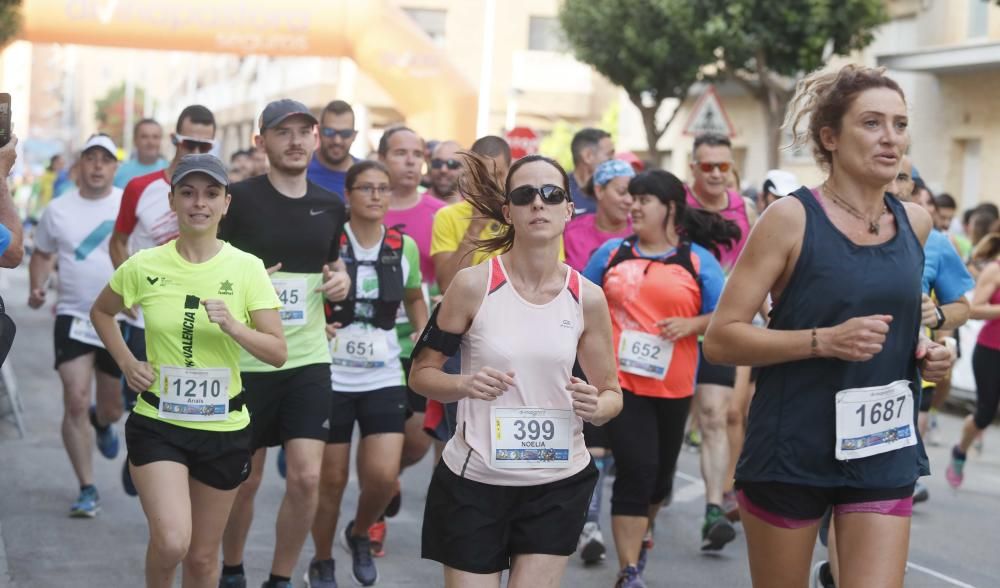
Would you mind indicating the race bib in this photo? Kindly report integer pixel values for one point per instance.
(82, 330)
(360, 349)
(530, 438)
(644, 354)
(194, 394)
(874, 420)
(292, 293)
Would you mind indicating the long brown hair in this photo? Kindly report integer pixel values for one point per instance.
(483, 191)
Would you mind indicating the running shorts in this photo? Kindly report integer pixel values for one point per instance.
(711, 373)
(68, 349)
(288, 404)
(477, 528)
(927, 398)
(378, 411)
(217, 459)
(793, 506)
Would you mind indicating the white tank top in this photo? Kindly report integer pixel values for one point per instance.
(538, 342)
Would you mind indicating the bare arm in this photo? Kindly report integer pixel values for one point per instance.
(986, 285)
(956, 314)
(109, 303)
(596, 354)
(118, 246)
(8, 212)
(39, 269)
(416, 308)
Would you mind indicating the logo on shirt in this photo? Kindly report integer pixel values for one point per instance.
(314, 212)
(226, 288)
(567, 324)
(187, 330)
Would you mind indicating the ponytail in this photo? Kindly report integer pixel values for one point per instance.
(987, 249)
(708, 229)
(482, 189)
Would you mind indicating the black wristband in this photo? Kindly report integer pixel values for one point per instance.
(940, 316)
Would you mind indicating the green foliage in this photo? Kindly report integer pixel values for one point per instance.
(556, 144)
(110, 112)
(10, 20)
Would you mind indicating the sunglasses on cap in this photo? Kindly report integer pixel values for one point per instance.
(330, 133)
(192, 144)
(525, 195)
(452, 164)
(707, 167)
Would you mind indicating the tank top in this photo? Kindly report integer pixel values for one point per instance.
(792, 424)
(538, 342)
(735, 211)
(989, 335)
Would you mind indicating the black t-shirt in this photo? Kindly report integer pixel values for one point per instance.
(300, 233)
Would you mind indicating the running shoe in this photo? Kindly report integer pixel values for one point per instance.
(933, 434)
(362, 565)
(87, 505)
(233, 581)
(591, 544)
(978, 443)
(954, 473)
(920, 492)
(821, 576)
(630, 578)
(376, 534)
(281, 584)
(730, 506)
(717, 530)
(282, 464)
(397, 501)
(127, 481)
(693, 439)
(647, 546)
(321, 574)
(107, 437)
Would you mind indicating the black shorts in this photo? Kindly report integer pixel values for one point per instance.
(68, 349)
(415, 402)
(217, 459)
(477, 528)
(288, 404)
(926, 398)
(802, 502)
(378, 411)
(595, 437)
(711, 373)
(135, 338)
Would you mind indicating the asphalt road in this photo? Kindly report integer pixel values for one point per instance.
(954, 542)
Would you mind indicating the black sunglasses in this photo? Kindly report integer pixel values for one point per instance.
(452, 164)
(525, 195)
(329, 133)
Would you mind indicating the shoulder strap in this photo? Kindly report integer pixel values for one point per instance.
(623, 253)
(574, 284)
(497, 277)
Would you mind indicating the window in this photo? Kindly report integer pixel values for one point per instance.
(979, 18)
(544, 34)
(430, 21)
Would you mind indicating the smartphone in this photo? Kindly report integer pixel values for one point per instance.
(4, 119)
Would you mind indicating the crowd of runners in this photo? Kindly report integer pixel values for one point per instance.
(535, 329)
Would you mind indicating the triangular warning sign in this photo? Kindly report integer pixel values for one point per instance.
(708, 116)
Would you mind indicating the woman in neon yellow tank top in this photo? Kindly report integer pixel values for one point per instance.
(188, 438)
(514, 482)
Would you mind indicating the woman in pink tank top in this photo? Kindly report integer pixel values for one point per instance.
(514, 482)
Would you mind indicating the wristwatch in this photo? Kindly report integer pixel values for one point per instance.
(940, 318)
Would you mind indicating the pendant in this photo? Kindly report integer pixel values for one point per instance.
(873, 227)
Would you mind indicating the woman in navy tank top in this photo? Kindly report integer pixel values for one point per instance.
(832, 424)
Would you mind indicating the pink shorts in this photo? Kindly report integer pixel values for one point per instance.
(792, 509)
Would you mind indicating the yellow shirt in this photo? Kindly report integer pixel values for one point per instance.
(450, 226)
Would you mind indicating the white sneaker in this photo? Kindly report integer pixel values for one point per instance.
(591, 544)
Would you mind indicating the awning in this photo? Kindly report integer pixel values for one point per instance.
(960, 59)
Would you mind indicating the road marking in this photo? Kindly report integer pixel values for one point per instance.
(693, 491)
(939, 575)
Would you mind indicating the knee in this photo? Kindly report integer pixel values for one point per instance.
(170, 545)
(712, 416)
(634, 487)
(201, 565)
(111, 414)
(303, 484)
(381, 479)
(333, 485)
(77, 406)
(734, 416)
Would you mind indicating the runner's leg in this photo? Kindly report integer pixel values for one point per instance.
(736, 421)
(298, 507)
(872, 549)
(165, 498)
(536, 570)
(378, 470)
(209, 512)
(712, 401)
(110, 404)
(77, 375)
(778, 557)
(458, 579)
(234, 539)
(333, 481)
(417, 441)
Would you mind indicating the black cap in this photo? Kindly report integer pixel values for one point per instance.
(204, 163)
(279, 110)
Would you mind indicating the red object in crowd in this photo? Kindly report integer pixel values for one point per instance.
(523, 141)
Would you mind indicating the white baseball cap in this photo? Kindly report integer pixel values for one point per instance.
(780, 182)
(103, 141)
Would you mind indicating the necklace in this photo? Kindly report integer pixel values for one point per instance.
(873, 223)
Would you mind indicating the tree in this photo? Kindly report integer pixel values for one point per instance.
(10, 20)
(651, 48)
(765, 46)
(110, 112)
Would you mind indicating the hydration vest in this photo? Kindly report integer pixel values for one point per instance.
(681, 257)
(388, 269)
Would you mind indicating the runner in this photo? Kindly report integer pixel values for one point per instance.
(330, 162)
(985, 367)
(368, 381)
(294, 226)
(73, 232)
(11, 229)
(189, 436)
(590, 148)
(584, 234)
(516, 500)
(147, 136)
(146, 220)
(807, 452)
(711, 167)
(445, 169)
(662, 285)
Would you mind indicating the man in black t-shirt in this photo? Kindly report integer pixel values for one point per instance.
(294, 226)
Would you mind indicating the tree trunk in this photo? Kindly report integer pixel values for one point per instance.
(774, 103)
(652, 133)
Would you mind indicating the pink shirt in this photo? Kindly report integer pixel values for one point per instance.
(582, 238)
(736, 211)
(989, 335)
(417, 222)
